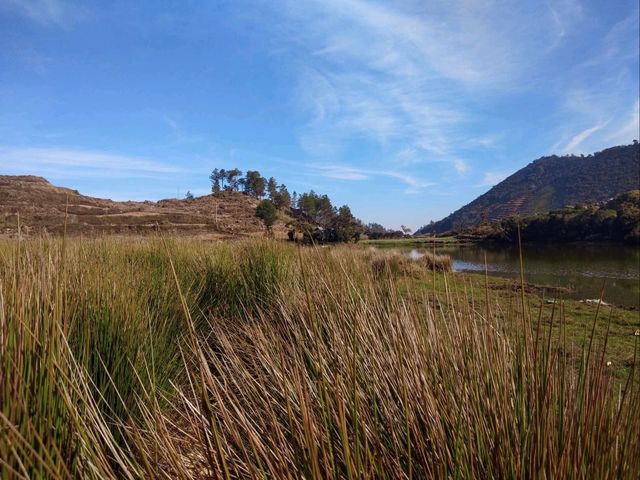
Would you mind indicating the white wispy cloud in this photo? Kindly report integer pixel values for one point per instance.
(487, 141)
(576, 141)
(178, 133)
(490, 179)
(48, 12)
(397, 73)
(345, 172)
(460, 166)
(614, 47)
(563, 14)
(600, 107)
(598, 118)
(458, 44)
(67, 162)
(629, 129)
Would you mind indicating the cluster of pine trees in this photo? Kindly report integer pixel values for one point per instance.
(252, 183)
(321, 222)
(314, 215)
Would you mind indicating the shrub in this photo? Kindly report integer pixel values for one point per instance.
(267, 212)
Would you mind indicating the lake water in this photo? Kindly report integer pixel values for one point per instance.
(582, 268)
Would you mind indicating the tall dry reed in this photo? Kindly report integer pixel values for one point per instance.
(180, 359)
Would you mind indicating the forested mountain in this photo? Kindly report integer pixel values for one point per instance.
(617, 220)
(550, 183)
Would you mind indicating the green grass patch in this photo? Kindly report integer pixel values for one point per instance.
(418, 242)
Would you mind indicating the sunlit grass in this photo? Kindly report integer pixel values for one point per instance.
(257, 359)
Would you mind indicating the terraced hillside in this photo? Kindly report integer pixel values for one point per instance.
(549, 183)
(43, 207)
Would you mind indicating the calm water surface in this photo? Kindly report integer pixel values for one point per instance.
(582, 268)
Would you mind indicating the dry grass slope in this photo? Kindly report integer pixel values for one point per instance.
(43, 207)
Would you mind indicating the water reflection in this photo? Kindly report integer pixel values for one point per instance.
(582, 268)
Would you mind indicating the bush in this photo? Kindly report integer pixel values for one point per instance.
(268, 212)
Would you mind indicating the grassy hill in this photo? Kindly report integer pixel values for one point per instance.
(43, 207)
(550, 183)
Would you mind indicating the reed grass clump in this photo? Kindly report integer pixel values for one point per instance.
(396, 263)
(184, 359)
(434, 261)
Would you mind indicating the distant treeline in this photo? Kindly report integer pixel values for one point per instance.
(375, 231)
(617, 220)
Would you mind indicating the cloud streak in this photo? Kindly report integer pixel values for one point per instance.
(577, 140)
(66, 163)
(343, 172)
(47, 12)
(398, 75)
(490, 179)
(564, 13)
(601, 104)
(630, 128)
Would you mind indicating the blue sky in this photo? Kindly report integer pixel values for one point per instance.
(405, 110)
